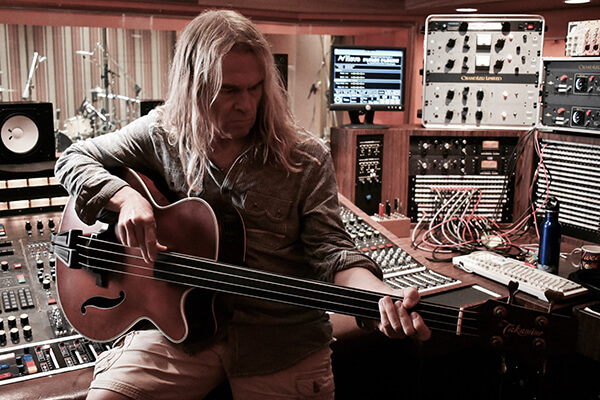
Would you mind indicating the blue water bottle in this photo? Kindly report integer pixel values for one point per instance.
(549, 251)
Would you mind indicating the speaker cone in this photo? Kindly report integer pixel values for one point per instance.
(19, 134)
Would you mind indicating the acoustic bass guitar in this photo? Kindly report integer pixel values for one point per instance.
(105, 288)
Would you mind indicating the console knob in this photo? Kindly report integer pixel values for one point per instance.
(2, 337)
(12, 321)
(27, 332)
(4, 264)
(24, 319)
(14, 334)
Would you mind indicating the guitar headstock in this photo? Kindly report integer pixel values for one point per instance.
(510, 328)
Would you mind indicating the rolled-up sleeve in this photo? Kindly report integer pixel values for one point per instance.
(83, 169)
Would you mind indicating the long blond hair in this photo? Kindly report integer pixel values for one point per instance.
(195, 81)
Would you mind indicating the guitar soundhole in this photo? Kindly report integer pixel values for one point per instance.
(103, 302)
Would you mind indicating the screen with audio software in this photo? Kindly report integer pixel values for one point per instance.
(365, 78)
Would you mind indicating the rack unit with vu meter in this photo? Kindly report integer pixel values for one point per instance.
(396, 160)
(482, 71)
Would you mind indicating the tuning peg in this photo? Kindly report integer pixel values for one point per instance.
(553, 298)
(513, 286)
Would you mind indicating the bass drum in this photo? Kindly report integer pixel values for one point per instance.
(78, 128)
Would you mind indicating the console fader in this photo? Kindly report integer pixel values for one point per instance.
(35, 338)
(399, 269)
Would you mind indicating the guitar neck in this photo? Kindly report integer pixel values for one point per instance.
(221, 277)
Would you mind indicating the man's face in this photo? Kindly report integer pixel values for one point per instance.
(237, 103)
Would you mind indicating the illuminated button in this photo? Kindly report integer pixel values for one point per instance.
(18, 266)
(21, 278)
(5, 375)
(51, 301)
(30, 364)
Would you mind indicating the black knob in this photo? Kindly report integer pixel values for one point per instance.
(51, 224)
(4, 265)
(28, 226)
(40, 225)
(27, 332)
(24, 319)
(500, 44)
(12, 321)
(14, 334)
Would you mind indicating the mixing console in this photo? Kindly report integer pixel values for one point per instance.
(35, 338)
(399, 269)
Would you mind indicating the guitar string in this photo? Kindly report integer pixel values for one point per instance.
(461, 313)
(374, 295)
(462, 319)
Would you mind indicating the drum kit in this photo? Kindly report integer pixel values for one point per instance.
(93, 119)
(90, 121)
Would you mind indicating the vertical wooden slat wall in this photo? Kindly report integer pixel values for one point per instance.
(67, 79)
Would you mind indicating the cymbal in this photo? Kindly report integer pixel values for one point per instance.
(97, 89)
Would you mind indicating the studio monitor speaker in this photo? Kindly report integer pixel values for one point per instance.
(26, 133)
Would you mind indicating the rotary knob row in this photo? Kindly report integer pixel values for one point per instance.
(15, 336)
(11, 321)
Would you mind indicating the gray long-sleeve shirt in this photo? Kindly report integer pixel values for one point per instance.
(292, 227)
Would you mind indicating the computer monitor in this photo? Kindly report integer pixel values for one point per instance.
(365, 79)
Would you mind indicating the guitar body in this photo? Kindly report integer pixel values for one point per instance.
(102, 305)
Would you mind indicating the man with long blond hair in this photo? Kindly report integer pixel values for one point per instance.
(225, 134)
